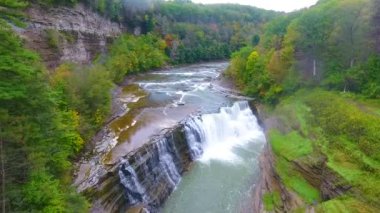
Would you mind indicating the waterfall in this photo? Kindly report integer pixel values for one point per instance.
(220, 133)
(154, 167)
(151, 174)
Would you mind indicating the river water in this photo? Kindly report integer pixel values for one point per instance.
(222, 134)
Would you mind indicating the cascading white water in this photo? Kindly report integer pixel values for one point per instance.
(159, 166)
(135, 193)
(219, 136)
(227, 145)
(219, 133)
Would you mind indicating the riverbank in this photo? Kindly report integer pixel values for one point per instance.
(317, 157)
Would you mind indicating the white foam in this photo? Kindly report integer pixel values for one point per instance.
(222, 132)
(152, 84)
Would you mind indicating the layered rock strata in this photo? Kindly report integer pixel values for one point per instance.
(68, 34)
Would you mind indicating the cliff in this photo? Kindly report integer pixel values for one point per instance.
(144, 178)
(68, 34)
(314, 171)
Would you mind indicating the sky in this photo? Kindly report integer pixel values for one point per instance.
(279, 5)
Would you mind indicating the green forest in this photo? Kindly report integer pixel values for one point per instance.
(330, 45)
(317, 67)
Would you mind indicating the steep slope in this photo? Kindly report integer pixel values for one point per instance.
(314, 160)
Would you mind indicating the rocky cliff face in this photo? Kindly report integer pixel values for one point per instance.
(68, 34)
(144, 178)
(269, 182)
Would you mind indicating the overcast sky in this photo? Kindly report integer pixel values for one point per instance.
(279, 5)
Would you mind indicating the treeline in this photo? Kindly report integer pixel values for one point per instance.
(193, 32)
(45, 119)
(329, 45)
(197, 32)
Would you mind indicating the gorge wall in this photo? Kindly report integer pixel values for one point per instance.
(62, 34)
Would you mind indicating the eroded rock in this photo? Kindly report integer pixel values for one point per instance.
(68, 34)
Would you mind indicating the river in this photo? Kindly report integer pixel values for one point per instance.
(222, 136)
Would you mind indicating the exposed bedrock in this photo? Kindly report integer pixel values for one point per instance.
(145, 177)
(68, 34)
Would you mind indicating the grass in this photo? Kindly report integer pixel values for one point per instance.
(294, 114)
(291, 146)
(351, 142)
(371, 106)
(271, 200)
(344, 204)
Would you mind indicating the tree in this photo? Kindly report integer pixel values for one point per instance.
(37, 138)
(313, 31)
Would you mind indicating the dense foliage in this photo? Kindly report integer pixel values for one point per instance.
(9, 11)
(44, 122)
(329, 45)
(130, 54)
(84, 92)
(207, 32)
(193, 32)
(37, 137)
(46, 119)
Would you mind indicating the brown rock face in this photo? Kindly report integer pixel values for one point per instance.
(68, 34)
(143, 179)
(322, 178)
(271, 182)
